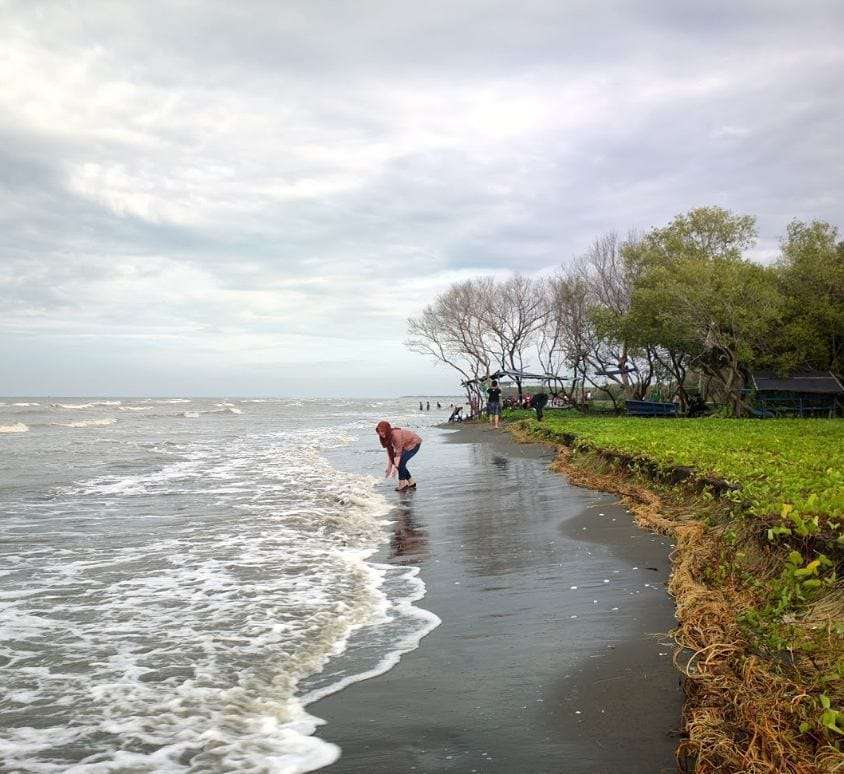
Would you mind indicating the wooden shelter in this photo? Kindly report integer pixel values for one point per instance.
(807, 394)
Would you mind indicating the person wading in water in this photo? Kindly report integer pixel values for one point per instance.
(401, 445)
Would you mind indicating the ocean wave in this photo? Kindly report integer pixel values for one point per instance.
(18, 427)
(135, 408)
(26, 404)
(92, 404)
(227, 410)
(274, 550)
(188, 414)
(87, 423)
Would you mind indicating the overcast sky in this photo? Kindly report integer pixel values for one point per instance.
(247, 198)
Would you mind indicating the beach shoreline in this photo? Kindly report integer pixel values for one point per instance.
(552, 654)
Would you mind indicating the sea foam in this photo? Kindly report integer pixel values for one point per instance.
(87, 423)
(196, 645)
(18, 427)
(92, 404)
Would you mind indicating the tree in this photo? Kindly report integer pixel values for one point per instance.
(811, 273)
(704, 305)
(513, 310)
(452, 331)
(551, 335)
(705, 233)
(611, 280)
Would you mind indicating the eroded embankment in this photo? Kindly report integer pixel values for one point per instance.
(754, 701)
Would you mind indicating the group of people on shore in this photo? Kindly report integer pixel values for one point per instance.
(537, 402)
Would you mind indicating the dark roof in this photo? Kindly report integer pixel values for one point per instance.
(821, 382)
(513, 374)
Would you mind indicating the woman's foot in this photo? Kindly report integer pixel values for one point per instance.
(402, 486)
(411, 484)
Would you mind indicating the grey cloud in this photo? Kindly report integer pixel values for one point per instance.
(216, 183)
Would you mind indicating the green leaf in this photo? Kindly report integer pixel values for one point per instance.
(795, 558)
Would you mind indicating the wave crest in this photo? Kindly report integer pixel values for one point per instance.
(87, 423)
(18, 427)
(92, 404)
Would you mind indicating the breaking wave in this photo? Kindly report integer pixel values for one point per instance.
(18, 427)
(92, 404)
(87, 423)
(194, 617)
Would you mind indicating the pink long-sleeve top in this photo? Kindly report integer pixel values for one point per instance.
(403, 439)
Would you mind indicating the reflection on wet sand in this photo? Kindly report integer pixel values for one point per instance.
(409, 542)
(506, 503)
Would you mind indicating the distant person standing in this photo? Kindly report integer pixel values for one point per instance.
(493, 405)
(420, 406)
(438, 405)
(401, 445)
(427, 405)
(538, 403)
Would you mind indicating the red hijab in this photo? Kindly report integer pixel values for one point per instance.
(385, 435)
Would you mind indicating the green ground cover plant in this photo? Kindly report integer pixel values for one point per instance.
(788, 472)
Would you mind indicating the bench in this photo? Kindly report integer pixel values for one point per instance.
(650, 408)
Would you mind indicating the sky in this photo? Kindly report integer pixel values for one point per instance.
(220, 198)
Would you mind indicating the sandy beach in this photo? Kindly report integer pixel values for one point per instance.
(552, 654)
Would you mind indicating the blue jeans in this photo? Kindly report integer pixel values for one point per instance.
(404, 473)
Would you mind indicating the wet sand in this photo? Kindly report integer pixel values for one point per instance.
(526, 674)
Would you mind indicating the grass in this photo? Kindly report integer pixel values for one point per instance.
(785, 470)
(760, 606)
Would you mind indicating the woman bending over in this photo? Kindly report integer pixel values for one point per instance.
(401, 445)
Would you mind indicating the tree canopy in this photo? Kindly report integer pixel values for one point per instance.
(677, 305)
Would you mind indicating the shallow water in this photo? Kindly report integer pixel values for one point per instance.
(178, 577)
(552, 655)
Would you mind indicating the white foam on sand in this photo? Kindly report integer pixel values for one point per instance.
(422, 622)
(18, 427)
(189, 647)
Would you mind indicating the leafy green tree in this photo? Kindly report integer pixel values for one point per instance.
(811, 272)
(705, 233)
(698, 300)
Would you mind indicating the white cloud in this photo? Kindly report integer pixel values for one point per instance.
(226, 188)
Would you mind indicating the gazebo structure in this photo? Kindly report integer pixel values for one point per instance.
(808, 394)
(474, 387)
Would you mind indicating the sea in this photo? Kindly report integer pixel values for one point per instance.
(181, 578)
